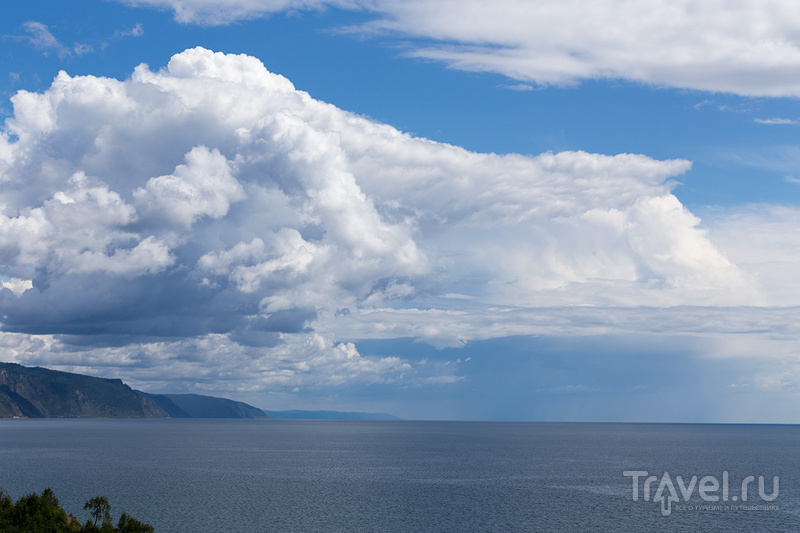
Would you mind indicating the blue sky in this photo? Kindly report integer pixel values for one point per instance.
(508, 211)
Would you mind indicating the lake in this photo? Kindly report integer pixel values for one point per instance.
(404, 476)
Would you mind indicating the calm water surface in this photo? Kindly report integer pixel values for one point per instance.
(331, 476)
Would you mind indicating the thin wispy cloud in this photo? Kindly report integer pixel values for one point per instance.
(82, 49)
(657, 42)
(519, 87)
(218, 13)
(136, 31)
(776, 121)
(40, 37)
(776, 158)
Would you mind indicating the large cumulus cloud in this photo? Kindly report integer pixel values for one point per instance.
(212, 200)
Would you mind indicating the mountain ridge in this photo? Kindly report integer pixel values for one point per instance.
(37, 392)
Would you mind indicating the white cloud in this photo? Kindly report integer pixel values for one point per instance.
(215, 362)
(763, 240)
(203, 186)
(757, 331)
(220, 12)
(16, 285)
(748, 47)
(82, 49)
(39, 36)
(136, 31)
(776, 121)
(211, 212)
(519, 87)
(774, 157)
(79, 229)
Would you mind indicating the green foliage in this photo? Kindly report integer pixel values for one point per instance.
(43, 514)
(128, 524)
(33, 514)
(100, 509)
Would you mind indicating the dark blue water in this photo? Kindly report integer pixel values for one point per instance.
(325, 476)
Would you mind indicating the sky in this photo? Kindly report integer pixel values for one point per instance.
(508, 210)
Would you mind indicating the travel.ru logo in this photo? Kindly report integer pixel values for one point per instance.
(709, 489)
